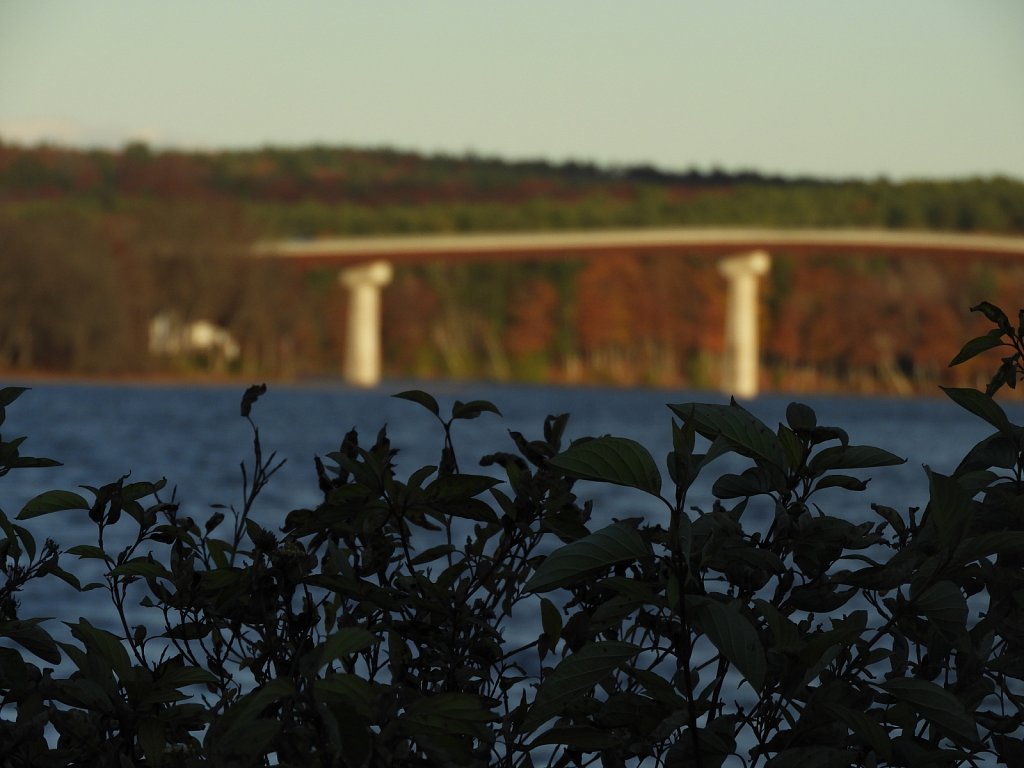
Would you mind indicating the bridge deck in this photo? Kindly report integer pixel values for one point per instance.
(536, 245)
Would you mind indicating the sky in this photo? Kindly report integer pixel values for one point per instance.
(895, 88)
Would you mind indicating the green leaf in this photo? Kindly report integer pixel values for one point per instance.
(581, 738)
(821, 435)
(25, 535)
(949, 508)
(852, 457)
(23, 462)
(753, 482)
(88, 550)
(9, 394)
(819, 598)
(52, 501)
(719, 447)
(785, 634)
(821, 648)
(220, 579)
(981, 405)
(65, 576)
(457, 487)
(218, 548)
(994, 314)
(618, 543)
(845, 482)
(733, 635)
(747, 435)
(350, 690)
(177, 677)
(141, 489)
(446, 713)
(997, 450)
(106, 644)
(416, 478)
(976, 346)
(935, 704)
(711, 750)
(472, 409)
(550, 620)
(615, 460)
(152, 738)
(864, 726)
(891, 516)
(141, 566)
(432, 554)
(575, 676)
(418, 396)
(344, 642)
(985, 544)
(791, 444)
(240, 716)
(32, 638)
(801, 417)
(248, 737)
(944, 604)
(685, 536)
(1009, 749)
(13, 668)
(249, 398)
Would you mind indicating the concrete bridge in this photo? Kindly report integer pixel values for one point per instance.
(743, 258)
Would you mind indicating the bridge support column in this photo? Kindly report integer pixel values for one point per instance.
(742, 358)
(362, 341)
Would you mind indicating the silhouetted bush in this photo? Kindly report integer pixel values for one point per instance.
(449, 618)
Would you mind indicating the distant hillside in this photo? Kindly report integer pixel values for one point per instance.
(322, 190)
(96, 245)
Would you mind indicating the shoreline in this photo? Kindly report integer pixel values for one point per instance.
(172, 380)
(18, 378)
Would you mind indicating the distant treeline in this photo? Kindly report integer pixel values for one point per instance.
(320, 190)
(94, 244)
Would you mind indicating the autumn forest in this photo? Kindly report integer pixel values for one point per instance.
(96, 245)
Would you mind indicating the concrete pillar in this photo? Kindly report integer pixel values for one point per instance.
(742, 359)
(362, 341)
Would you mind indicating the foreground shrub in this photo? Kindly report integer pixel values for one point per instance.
(452, 618)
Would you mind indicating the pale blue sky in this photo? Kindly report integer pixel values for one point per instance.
(905, 88)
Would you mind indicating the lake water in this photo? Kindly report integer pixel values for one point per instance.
(195, 437)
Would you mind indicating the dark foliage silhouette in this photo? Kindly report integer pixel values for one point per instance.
(455, 618)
